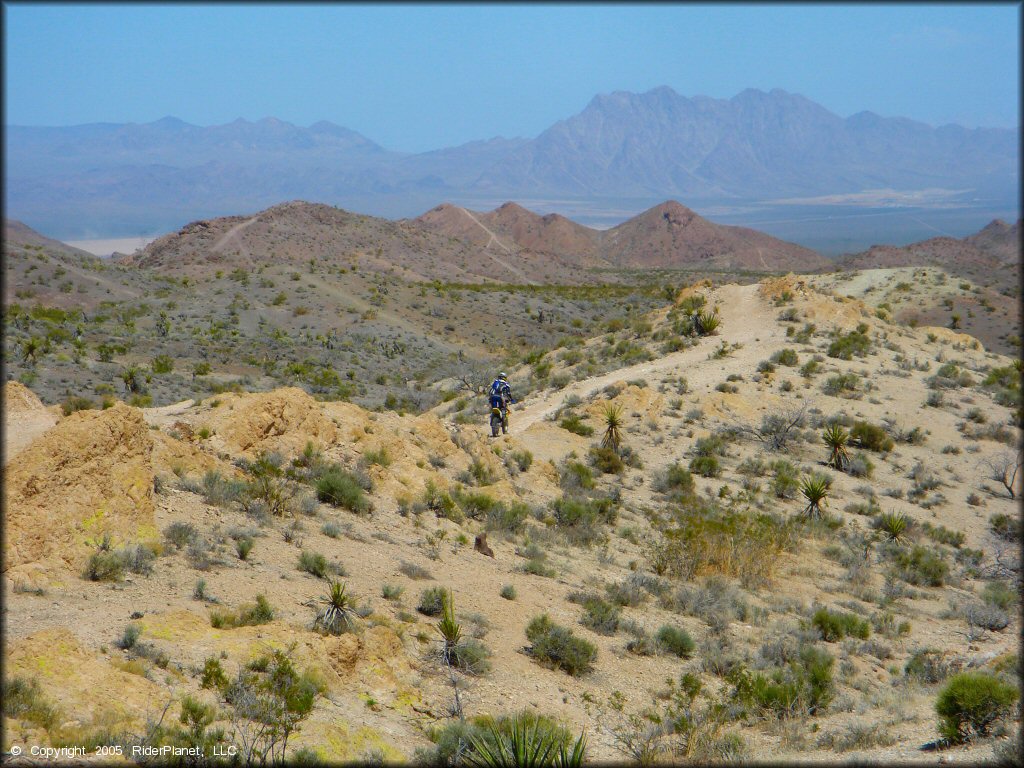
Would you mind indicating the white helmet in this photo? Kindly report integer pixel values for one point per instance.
(502, 375)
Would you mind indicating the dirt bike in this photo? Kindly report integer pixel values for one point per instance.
(499, 419)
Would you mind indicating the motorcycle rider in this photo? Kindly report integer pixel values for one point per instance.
(501, 393)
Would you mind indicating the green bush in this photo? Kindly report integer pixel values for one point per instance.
(1007, 527)
(921, 566)
(574, 424)
(581, 518)
(576, 474)
(705, 466)
(313, 563)
(675, 640)
(342, 489)
(432, 601)
(607, 461)
(850, 344)
(785, 357)
(971, 703)
(600, 615)
(557, 647)
(871, 437)
(674, 479)
(836, 626)
(75, 403)
(508, 592)
(843, 382)
(804, 687)
(1000, 595)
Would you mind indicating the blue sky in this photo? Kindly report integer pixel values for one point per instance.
(425, 76)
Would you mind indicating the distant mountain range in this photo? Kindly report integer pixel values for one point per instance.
(127, 179)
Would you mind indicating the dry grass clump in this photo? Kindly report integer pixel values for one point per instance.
(706, 541)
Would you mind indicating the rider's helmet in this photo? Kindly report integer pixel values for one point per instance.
(502, 375)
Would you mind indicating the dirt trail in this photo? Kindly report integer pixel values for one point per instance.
(231, 233)
(497, 260)
(747, 319)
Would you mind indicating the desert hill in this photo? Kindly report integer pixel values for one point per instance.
(1000, 240)
(998, 244)
(247, 505)
(18, 235)
(669, 235)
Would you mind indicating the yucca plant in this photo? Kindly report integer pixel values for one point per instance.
(707, 322)
(893, 525)
(449, 629)
(526, 745)
(338, 612)
(815, 491)
(836, 438)
(612, 426)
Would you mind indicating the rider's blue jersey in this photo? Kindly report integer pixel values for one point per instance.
(501, 389)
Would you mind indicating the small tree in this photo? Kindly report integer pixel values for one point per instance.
(1004, 470)
(971, 703)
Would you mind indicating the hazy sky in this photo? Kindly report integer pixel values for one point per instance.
(422, 77)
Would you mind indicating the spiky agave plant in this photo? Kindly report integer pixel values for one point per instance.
(893, 525)
(815, 491)
(836, 438)
(338, 612)
(526, 745)
(449, 629)
(707, 322)
(612, 427)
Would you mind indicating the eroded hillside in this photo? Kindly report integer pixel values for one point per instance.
(198, 537)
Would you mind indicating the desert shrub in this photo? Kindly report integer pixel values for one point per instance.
(74, 403)
(313, 563)
(129, 637)
(705, 466)
(581, 519)
(944, 535)
(521, 459)
(860, 466)
(213, 675)
(834, 626)
(441, 503)
(331, 529)
(843, 382)
(1007, 527)
(675, 640)
(871, 437)
(950, 376)
(24, 699)
(786, 479)
(576, 475)
(921, 566)
(557, 647)
(218, 490)
(804, 687)
(508, 592)
(999, 595)
(929, 666)
(507, 517)
(243, 547)
(708, 541)
(337, 611)
(413, 571)
(524, 738)
(971, 703)
(600, 615)
(634, 589)
(606, 460)
(986, 616)
(249, 614)
(342, 489)
(786, 357)
(674, 479)
(471, 655)
(432, 601)
(574, 423)
(180, 534)
(846, 346)
(377, 457)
